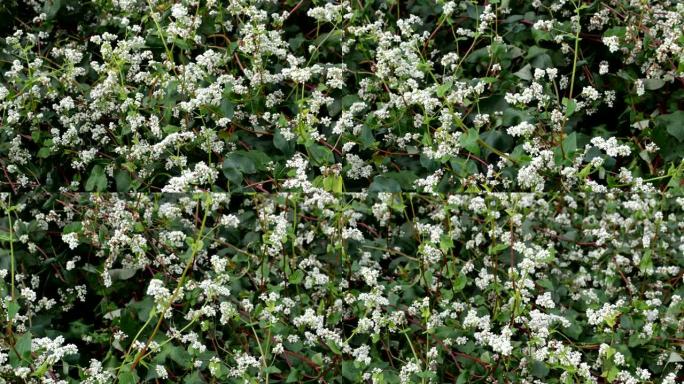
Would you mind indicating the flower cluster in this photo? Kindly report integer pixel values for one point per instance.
(387, 287)
(382, 192)
(431, 96)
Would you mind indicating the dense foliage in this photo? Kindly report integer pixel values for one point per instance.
(392, 288)
(133, 95)
(381, 192)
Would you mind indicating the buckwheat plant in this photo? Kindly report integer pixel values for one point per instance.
(429, 96)
(373, 288)
(341, 191)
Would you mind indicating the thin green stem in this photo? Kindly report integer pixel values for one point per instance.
(264, 361)
(181, 283)
(12, 261)
(574, 61)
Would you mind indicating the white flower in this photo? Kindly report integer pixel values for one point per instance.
(407, 371)
(71, 239)
(613, 43)
(590, 93)
(545, 300)
(161, 372)
(522, 129)
(640, 89)
(611, 146)
(157, 290)
(543, 25)
(335, 77)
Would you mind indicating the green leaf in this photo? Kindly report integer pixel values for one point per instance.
(333, 347)
(460, 282)
(22, 350)
(635, 340)
(535, 51)
(469, 141)
(675, 358)
(181, 43)
(498, 248)
(333, 183)
(615, 31)
(350, 372)
(51, 8)
(270, 369)
(570, 106)
(444, 88)
(366, 137)
(296, 277)
(180, 356)
(573, 331)
(44, 152)
(539, 369)
(74, 226)
(123, 181)
(321, 155)
(122, 274)
(126, 376)
(383, 183)
(463, 377)
(653, 84)
(97, 180)
(285, 146)
(646, 262)
(239, 161)
(293, 377)
(611, 374)
(227, 108)
(546, 283)
(40, 371)
(193, 378)
(674, 124)
(404, 178)
(446, 243)
(12, 309)
(525, 72)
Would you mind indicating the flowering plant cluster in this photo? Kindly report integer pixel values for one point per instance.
(309, 191)
(383, 288)
(259, 95)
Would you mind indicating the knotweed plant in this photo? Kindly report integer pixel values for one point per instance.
(380, 288)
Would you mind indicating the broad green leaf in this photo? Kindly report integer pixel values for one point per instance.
(321, 154)
(239, 161)
(673, 123)
(122, 273)
(539, 369)
(285, 146)
(460, 282)
(97, 181)
(525, 72)
(21, 353)
(469, 141)
(123, 181)
(296, 277)
(653, 84)
(126, 376)
(384, 184)
(570, 106)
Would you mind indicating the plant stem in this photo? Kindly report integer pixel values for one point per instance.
(574, 61)
(173, 297)
(12, 262)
